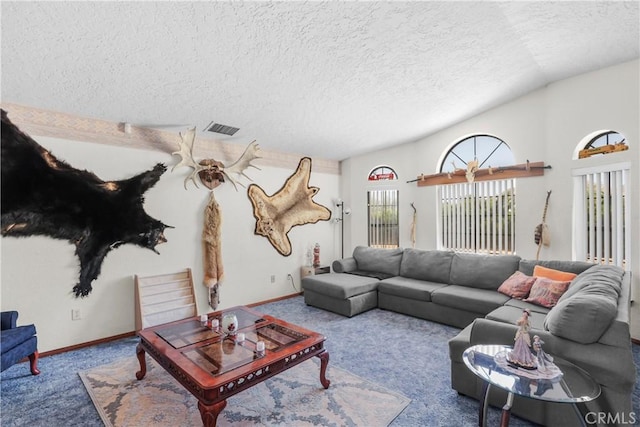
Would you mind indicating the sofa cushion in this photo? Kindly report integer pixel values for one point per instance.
(511, 315)
(482, 271)
(405, 287)
(521, 305)
(378, 260)
(587, 309)
(550, 273)
(432, 266)
(339, 285)
(547, 292)
(517, 285)
(527, 266)
(10, 338)
(469, 299)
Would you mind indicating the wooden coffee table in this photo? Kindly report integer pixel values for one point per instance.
(213, 366)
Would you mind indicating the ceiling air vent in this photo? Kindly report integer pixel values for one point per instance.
(224, 129)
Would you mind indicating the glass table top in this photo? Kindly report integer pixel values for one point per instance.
(568, 384)
(218, 353)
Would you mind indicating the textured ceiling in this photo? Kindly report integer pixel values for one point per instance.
(325, 79)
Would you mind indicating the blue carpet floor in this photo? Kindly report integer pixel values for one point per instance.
(406, 355)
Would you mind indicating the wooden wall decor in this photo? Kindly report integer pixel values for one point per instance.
(290, 206)
(605, 149)
(522, 170)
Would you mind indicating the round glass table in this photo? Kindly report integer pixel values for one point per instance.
(565, 383)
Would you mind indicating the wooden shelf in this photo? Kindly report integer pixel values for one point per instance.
(164, 298)
(522, 170)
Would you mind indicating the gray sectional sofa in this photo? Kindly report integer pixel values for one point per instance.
(589, 325)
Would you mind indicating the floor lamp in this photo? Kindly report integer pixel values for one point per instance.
(343, 211)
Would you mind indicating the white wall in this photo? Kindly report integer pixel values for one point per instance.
(545, 125)
(38, 273)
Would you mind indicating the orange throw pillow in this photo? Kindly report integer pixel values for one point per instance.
(550, 273)
(547, 292)
(517, 285)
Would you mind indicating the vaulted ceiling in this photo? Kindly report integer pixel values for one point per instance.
(325, 79)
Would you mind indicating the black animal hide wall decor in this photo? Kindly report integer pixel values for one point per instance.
(42, 195)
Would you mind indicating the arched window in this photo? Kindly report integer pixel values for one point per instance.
(486, 149)
(478, 216)
(602, 212)
(382, 209)
(382, 173)
(606, 138)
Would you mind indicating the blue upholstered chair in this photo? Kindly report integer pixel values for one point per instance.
(17, 342)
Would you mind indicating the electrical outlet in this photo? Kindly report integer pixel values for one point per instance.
(75, 314)
(273, 278)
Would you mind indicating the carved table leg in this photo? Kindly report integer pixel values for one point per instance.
(324, 361)
(33, 362)
(209, 413)
(143, 362)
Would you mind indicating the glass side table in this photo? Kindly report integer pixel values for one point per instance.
(571, 385)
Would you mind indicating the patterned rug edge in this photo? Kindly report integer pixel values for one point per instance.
(333, 373)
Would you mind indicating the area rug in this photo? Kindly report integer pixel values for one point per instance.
(292, 398)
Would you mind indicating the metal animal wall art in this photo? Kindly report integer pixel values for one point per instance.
(42, 195)
(212, 173)
(290, 206)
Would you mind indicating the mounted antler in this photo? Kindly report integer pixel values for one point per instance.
(238, 168)
(186, 154)
(210, 171)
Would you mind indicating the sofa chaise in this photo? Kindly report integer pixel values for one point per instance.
(588, 324)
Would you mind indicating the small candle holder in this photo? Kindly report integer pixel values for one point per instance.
(240, 338)
(215, 325)
(204, 319)
(260, 348)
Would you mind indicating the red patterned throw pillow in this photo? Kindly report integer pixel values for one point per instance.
(546, 292)
(517, 285)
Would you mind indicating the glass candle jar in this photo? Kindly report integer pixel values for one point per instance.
(229, 324)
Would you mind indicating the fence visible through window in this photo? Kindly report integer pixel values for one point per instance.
(478, 217)
(383, 218)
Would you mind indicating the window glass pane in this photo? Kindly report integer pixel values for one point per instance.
(383, 218)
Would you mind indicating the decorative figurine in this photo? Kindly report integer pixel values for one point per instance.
(521, 355)
(316, 255)
(543, 359)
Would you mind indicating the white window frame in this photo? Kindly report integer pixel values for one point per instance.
(601, 175)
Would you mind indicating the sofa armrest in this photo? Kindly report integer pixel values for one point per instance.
(8, 320)
(485, 331)
(344, 265)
